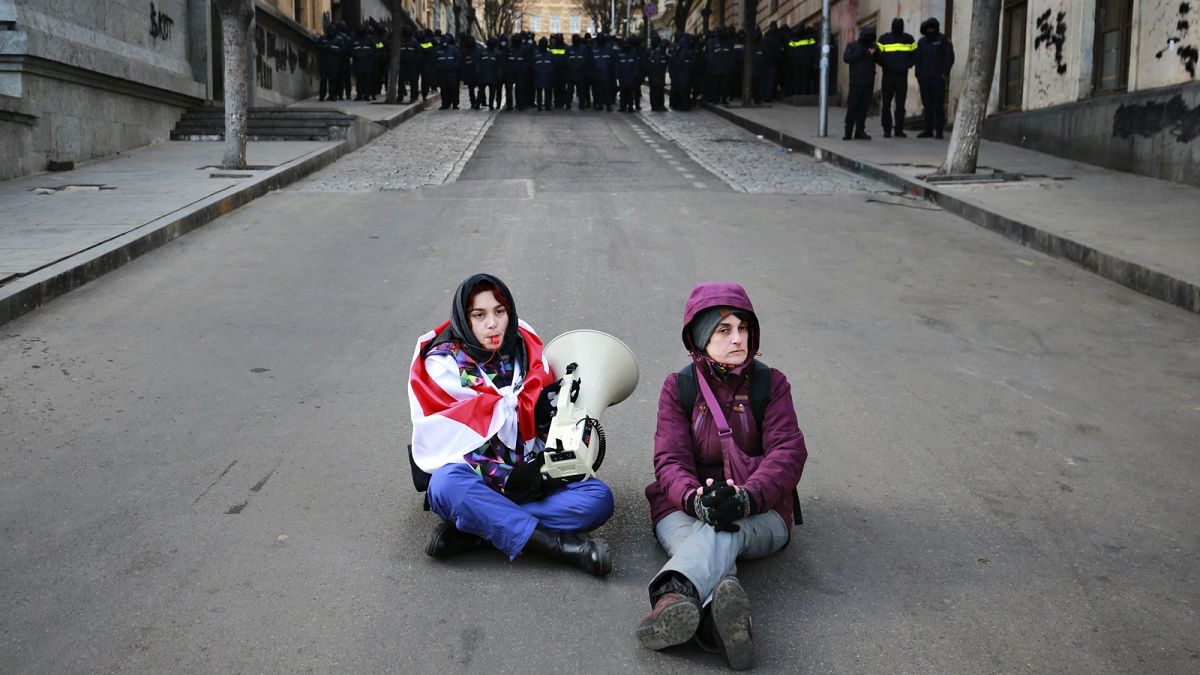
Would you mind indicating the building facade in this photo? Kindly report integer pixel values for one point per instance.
(81, 79)
(1108, 82)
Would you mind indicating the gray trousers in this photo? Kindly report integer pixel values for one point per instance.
(704, 555)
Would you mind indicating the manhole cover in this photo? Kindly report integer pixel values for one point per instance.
(70, 188)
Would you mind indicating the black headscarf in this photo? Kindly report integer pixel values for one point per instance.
(460, 331)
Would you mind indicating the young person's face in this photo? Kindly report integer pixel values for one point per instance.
(728, 344)
(489, 319)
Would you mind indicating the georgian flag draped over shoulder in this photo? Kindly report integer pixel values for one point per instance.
(449, 420)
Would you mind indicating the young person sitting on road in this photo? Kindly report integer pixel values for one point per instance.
(477, 396)
(716, 499)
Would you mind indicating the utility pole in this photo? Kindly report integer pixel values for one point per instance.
(823, 104)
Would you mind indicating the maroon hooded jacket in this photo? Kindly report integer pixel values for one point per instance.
(687, 450)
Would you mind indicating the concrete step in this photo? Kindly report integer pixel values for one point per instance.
(208, 123)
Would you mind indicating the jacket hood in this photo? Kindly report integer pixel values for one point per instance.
(460, 331)
(867, 36)
(928, 24)
(719, 294)
(897, 26)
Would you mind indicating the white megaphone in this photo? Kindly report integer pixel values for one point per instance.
(597, 370)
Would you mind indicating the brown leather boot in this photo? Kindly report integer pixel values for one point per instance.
(673, 621)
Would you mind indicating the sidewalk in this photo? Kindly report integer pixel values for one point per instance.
(62, 230)
(1140, 232)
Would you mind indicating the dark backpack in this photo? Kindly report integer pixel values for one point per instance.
(760, 393)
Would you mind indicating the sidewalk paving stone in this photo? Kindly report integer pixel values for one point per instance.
(1137, 231)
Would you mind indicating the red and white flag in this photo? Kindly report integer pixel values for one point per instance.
(450, 419)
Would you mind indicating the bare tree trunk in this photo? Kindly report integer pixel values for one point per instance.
(236, 16)
(963, 152)
(749, 23)
(393, 82)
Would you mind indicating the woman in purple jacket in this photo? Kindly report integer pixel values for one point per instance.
(714, 502)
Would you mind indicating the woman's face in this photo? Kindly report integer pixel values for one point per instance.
(727, 345)
(489, 319)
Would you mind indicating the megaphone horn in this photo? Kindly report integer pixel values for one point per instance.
(597, 371)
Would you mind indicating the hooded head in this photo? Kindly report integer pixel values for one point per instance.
(543, 44)
(492, 43)
(576, 39)
(460, 329)
(931, 26)
(706, 306)
(897, 26)
(867, 37)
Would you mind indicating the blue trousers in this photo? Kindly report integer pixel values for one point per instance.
(458, 495)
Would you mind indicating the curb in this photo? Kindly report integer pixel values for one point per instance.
(1154, 283)
(27, 293)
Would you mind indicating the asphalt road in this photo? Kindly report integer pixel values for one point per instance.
(202, 467)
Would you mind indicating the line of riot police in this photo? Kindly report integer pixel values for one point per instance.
(365, 54)
(592, 72)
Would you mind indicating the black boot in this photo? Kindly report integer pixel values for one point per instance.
(861, 135)
(586, 553)
(849, 133)
(448, 540)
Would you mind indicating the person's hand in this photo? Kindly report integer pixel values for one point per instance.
(722, 506)
(547, 405)
(527, 477)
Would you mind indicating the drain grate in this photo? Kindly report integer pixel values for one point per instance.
(252, 167)
(996, 176)
(70, 188)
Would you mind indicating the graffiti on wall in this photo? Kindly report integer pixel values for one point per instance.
(1188, 53)
(273, 54)
(160, 24)
(1148, 119)
(1053, 37)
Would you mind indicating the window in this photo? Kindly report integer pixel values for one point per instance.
(516, 22)
(535, 24)
(1012, 57)
(591, 27)
(575, 24)
(1114, 23)
(556, 24)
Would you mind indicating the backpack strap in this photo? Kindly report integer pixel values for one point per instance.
(760, 394)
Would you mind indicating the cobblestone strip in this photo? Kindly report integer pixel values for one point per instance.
(428, 150)
(750, 164)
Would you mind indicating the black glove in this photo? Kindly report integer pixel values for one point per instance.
(526, 480)
(722, 506)
(546, 406)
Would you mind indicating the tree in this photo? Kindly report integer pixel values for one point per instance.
(683, 10)
(399, 16)
(498, 17)
(600, 12)
(963, 152)
(236, 16)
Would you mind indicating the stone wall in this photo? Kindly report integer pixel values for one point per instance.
(285, 59)
(1154, 133)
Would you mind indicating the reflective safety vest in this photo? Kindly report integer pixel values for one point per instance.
(898, 47)
(558, 52)
(378, 45)
(802, 43)
(426, 45)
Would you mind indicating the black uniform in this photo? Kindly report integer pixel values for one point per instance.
(363, 53)
(860, 54)
(801, 53)
(427, 64)
(682, 67)
(469, 70)
(543, 76)
(410, 67)
(657, 62)
(447, 64)
(603, 73)
(579, 65)
(490, 74)
(331, 49)
(895, 57)
(933, 58)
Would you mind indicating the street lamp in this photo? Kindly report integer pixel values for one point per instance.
(705, 13)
